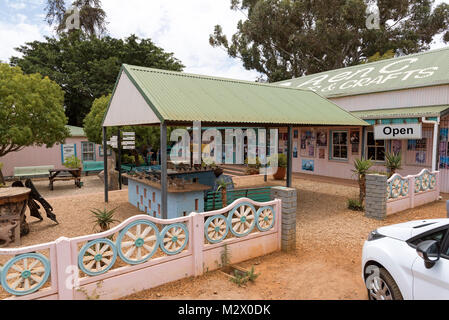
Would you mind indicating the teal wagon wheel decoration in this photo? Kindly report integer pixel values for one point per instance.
(265, 218)
(418, 185)
(425, 181)
(174, 238)
(433, 182)
(396, 188)
(242, 219)
(138, 242)
(405, 188)
(25, 274)
(216, 228)
(97, 257)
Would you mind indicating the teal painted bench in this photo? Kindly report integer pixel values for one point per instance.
(213, 198)
(22, 172)
(90, 166)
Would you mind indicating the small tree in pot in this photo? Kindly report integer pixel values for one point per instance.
(393, 162)
(282, 167)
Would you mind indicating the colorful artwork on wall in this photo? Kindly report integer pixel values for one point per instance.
(396, 146)
(355, 141)
(322, 139)
(308, 165)
(322, 153)
(295, 149)
(444, 162)
(421, 157)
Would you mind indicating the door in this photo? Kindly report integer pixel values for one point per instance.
(432, 284)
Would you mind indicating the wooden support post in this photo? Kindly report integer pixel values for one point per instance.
(164, 175)
(289, 156)
(119, 160)
(105, 149)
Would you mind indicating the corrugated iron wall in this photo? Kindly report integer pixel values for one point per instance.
(444, 154)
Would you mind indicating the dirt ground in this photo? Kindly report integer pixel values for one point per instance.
(325, 265)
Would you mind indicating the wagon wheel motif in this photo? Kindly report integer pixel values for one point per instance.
(265, 218)
(405, 187)
(97, 257)
(174, 238)
(216, 228)
(396, 187)
(417, 185)
(242, 219)
(389, 191)
(425, 181)
(25, 274)
(433, 181)
(138, 242)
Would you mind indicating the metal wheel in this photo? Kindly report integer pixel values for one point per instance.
(396, 188)
(242, 219)
(97, 257)
(265, 218)
(425, 181)
(174, 238)
(216, 228)
(25, 274)
(379, 290)
(138, 242)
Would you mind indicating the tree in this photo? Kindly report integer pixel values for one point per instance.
(285, 39)
(87, 67)
(361, 168)
(92, 17)
(31, 111)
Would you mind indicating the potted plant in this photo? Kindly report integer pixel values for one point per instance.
(393, 162)
(282, 167)
(75, 164)
(361, 167)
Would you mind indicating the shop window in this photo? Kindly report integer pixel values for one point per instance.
(375, 149)
(88, 151)
(339, 145)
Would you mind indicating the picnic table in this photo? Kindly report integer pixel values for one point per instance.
(65, 175)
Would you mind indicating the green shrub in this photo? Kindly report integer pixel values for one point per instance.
(355, 205)
(72, 163)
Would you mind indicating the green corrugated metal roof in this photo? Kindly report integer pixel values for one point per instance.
(433, 111)
(176, 96)
(76, 131)
(417, 70)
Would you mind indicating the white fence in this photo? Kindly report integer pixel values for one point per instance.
(412, 191)
(141, 253)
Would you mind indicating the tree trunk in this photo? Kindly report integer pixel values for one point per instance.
(224, 197)
(362, 186)
(2, 179)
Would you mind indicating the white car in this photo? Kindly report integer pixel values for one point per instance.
(408, 261)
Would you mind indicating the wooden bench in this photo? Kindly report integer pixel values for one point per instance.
(91, 166)
(213, 198)
(22, 172)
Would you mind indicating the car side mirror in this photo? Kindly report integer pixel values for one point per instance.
(430, 252)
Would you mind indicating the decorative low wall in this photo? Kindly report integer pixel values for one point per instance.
(141, 253)
(385, 197)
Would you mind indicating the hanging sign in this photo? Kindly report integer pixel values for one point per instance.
(398, 131)
(68, 150)
(129, 138)
(128, 143)
(132, 134)
(129, 147)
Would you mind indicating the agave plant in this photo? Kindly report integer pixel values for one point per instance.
(361, 168)
(393, 162)
(104, 219)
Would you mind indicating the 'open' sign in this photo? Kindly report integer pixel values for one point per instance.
(398, 131)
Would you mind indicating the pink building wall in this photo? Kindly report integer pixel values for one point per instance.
(41, 156)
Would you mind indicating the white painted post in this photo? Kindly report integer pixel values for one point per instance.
(438, 186)
(411, 190)
(197, 221)
(66, 275)
(278, 211)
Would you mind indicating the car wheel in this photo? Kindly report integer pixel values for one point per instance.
(383, 287)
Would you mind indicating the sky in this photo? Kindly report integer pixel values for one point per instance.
(178, 26)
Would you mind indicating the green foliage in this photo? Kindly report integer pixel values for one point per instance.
(72, 163)
(355, 205)
(284, 39)
(222, 184)
(282, 160)
(393, 162)
(1, 165)
(31, 111)
(362, 166)
(241, 278)
(104, 219)
(86, 67)
(378, 57)
(256, 165)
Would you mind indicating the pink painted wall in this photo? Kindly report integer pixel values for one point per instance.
(41, 156)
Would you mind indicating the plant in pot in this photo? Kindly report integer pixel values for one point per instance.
(282, 167)
(393, 162)
(222, 186)
(73, 163)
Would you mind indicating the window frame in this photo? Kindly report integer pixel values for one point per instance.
(444, 245)
(367, 146)
(331, 145)
(83, 152)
